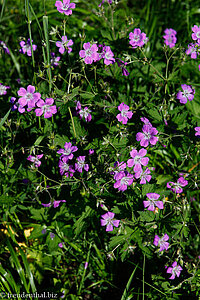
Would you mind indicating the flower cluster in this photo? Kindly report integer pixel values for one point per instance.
(176, 187)
(193, 50)
(197, 133)
(26, 47)
(161, 242)
(187, 94)
(3, 89)
(35, 159)
(93, 53)
(29, 100)
(125, 113)
(46, 107)
(106, 54)
(4, 47)
(55, 61)
(137, 38)
(123, 179)
(64, 45)
(122, 65)
(90, 53)
(196, 33)
(55, 203)
(170, 37)
(138, 159)
(108, 221)
(102, 2)
(67, 155)
(148, 134)
(83, 112)
(175, 270)
(65, 7)
(153, 202)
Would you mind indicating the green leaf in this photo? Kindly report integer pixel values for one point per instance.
(4, 118)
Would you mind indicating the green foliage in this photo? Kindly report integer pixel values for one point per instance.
(63, 248)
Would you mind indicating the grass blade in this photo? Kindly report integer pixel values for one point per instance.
(4, 118)
(19, 268)
(46, 34)
(125, 293)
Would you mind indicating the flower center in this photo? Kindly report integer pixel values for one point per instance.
(88, 52)
(67, 152)
(137, 159)
(81, 164)
(125, 180)
(84, 113)
(27, 47)
(2, 89)
(198, 34)
(147, 135)
(186, 93)
(136, 38)
(124, 113)
(65, 7)
(65, 167)
(29, 96)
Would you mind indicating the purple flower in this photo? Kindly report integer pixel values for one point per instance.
(148, 136)
(138, 159)
(196, 33)
(197, 131)
(161, 242)
(143, 175)
(91, 151)
(153, 201)
(46, 204)
(46, 108)
(3, 89)
(65, 7)
(89, 53)
(109, 1)
(60, 245)
(146, 121)
(28, 97)
(65, 168)
(35, 159)
(52, 235)
(80, 165)
(107, 220)
(4, 47)
(170, 37)
(123, 178)
(175, 270)
(86, 113)
(55, 61)
(64, 45)
(107, 55)
(12, 101)
(192, 50)
(177, 187)
(56, 203)
(44, 231)
(187, 94)
(122, 65)
(137, 38)
(83, 112)
(26, 47)
(67, 152)
(125, 113)
(86, 265)
(118, 166)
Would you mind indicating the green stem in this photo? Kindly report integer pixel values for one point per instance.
(72, 122)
